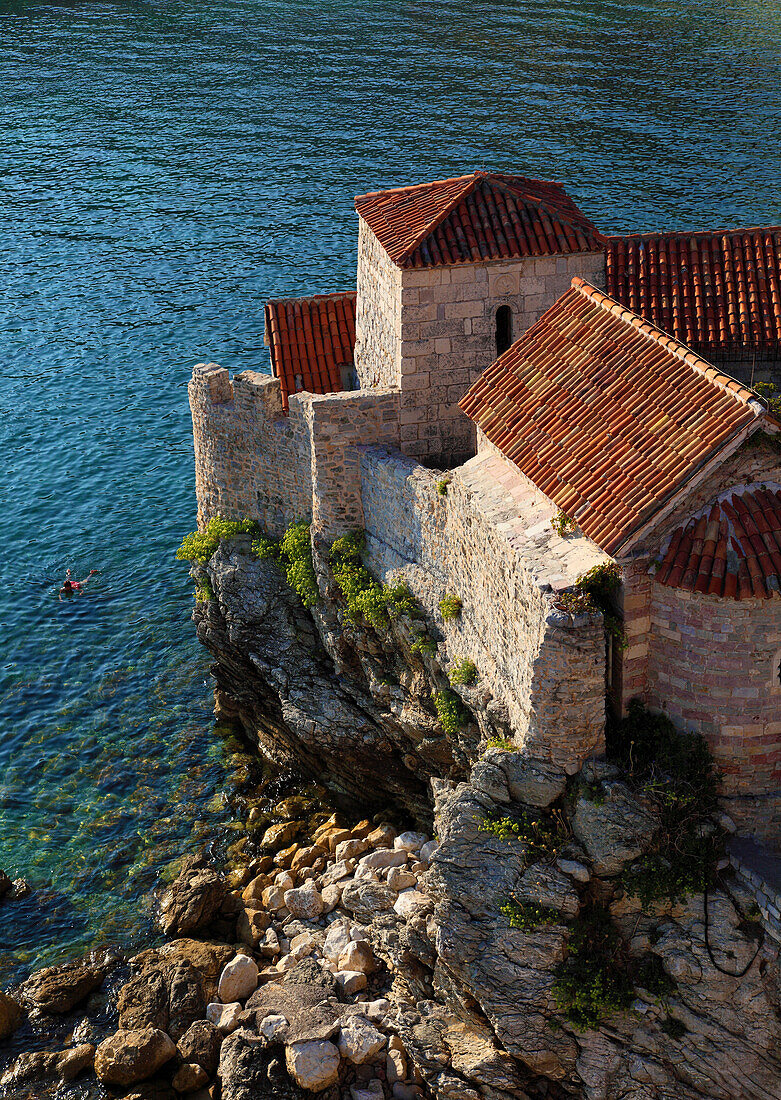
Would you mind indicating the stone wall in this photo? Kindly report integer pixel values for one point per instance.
(448, 338)
(378, 314)
(250, 458)
(544, 669)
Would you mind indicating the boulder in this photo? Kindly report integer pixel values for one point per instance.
(400, 879)
(281, 835)
(358, 956)
(193, 900)
(314, 1065)
(200, 1045)
(130, 1056)
(58, 989)
(251, 925)
(384, 857)
(359, 1040)
(410, 842)
(343, 869)
(411, 902)
(168, 996)
(11, 1015)
(189, 1078)
(238, 980)
(41, 1064)
(5, 885)
(351, 981)
(207, 958)
(350, 849)
(305, 902)
(224, 1017)
(364, 899)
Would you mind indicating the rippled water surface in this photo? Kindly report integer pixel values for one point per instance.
(166, 167)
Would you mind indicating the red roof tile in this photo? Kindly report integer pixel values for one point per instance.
(733, 551)
(482, 216)
(717, 291)
(311, 339)
(642, 412)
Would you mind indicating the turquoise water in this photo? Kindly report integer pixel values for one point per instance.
(164, 168)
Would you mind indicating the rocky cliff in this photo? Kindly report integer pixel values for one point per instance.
(531, 969)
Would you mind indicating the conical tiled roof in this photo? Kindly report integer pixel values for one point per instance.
(482, 216)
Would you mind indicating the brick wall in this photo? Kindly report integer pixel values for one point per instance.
(546, 670)
(378, 313)
(248, 455)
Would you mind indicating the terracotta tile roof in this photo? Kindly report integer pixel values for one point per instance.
(482, 216)
(311, 338)
(718, 292)
(605, 413)
(733, 550)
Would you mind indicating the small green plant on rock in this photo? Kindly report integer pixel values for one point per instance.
(543, 837)
(423, 644)
(526, 917)
(442, 485)
(365, 597)
(563, 524)
(451, 712)
(203, 590)
(293, 554)
(592, 981)
(200, 545)
(500, 743)
(450, 606)
(463, 672)
(768, 391)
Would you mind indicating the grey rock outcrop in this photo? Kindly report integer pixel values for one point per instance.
(193, 900)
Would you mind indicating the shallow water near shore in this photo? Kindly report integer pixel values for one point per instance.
(168, 166)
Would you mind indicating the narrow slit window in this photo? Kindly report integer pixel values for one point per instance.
(504, 329)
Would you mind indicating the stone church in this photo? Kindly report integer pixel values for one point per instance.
(495, 332)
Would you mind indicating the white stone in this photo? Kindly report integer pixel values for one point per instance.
(343, 869)
(377, 1010)
(284, 880)
(331, 896)
(306, 902)
(399, 878)
(359, 1040)
(428, 849)
(337, 940)
(273, 898)
(303, 939)
(409, 902)
(269, 946)
(358, 956)
(238, 980)
(367, 873)
(349, 849)
(395, 1067)
(410, 842)
(351, 981)
(274, 1028)
(313, 1064)
(224, 1017)
(384, 857)
(575, 870)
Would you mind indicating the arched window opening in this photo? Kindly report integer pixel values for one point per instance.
(504, 329)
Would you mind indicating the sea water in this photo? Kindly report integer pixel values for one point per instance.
(166, 167)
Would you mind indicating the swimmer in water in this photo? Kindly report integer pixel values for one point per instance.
(70, 586)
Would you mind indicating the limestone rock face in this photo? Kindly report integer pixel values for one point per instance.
(614, 831)
(130, 1056)
(193, 900)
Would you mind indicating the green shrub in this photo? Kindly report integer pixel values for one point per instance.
(542, 837)
(423, 644)
(595, 591)
(200, 545)
(365, 597)
(675, 772)
(769, 393)
(293, 554)
(592, 980)
(563, 524)
(442, 485)
(500, 743)
(450, 606)
(452, 713)
(463, 672)
(526, 917)
(203, 591)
